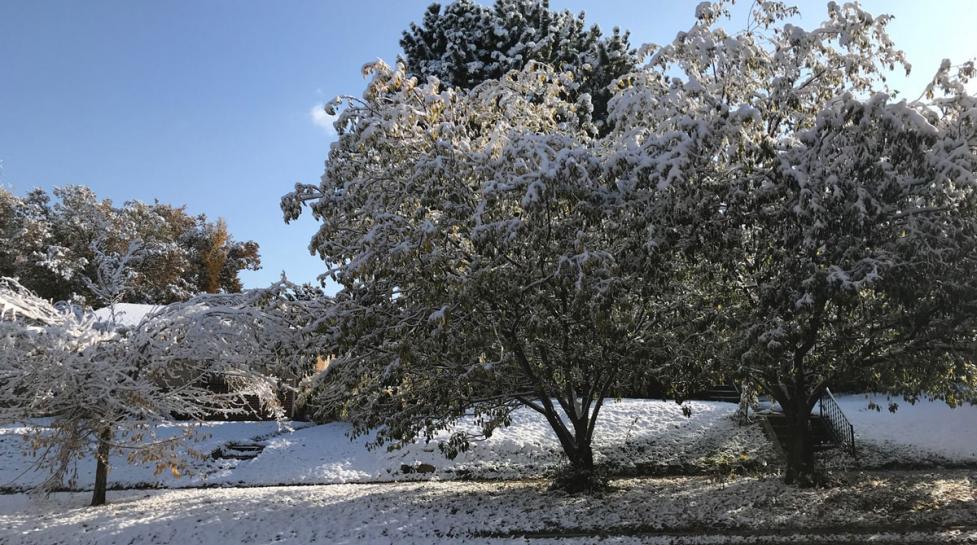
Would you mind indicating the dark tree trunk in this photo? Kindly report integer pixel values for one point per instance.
(800, 452)
(576, 442)
(581, 476)
(102, 467)
(576, 438)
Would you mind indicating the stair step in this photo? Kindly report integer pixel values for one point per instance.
(244, 446)
(719, 392)
(234, 450)
(236, 456)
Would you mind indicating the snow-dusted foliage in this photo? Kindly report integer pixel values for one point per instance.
(466, 44)
(113, 272)
(485, 260)
(841, 219)
(101, 387)
(256, 343)
(762, 208)
(49, 248)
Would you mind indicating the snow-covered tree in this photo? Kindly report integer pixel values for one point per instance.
(106, 388)
(485, 263)
(843, 221)
(466, 44)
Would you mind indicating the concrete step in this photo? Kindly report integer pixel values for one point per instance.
(232, 445)
(720, 392)
(236, 450)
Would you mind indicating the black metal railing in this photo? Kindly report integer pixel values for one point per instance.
(838, 423)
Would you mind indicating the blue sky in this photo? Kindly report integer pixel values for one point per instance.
(209, 103)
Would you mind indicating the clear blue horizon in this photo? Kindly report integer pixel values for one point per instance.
(212, 104)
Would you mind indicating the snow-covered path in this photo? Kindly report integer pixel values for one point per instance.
(636, 511)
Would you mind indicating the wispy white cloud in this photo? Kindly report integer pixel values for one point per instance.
(321, 119)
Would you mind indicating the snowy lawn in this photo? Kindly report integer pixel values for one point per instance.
(633, 436)
(927, 433)
(897, 506)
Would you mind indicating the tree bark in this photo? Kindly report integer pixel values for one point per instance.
(581, 476)
(576, 438)
(102, 466)
(584, 458)
(800, 455)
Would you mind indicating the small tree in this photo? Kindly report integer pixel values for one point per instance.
(485, 263)
(843, 223)
(107, 388)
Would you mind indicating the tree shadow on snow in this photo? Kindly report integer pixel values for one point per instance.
(352, 513)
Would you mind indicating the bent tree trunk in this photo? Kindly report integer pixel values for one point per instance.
(102, 466)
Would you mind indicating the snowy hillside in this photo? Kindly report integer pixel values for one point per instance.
(631, 435)
(634, 436)
(914, 433)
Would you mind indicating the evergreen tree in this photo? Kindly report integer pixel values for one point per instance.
(466, 44)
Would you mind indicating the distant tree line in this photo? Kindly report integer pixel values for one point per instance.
(48, 242)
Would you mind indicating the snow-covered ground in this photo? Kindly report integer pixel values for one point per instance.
(127, 314)
(366, 505)
(924, 433)
(631, 435)
(911, 507)
(17, 471)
